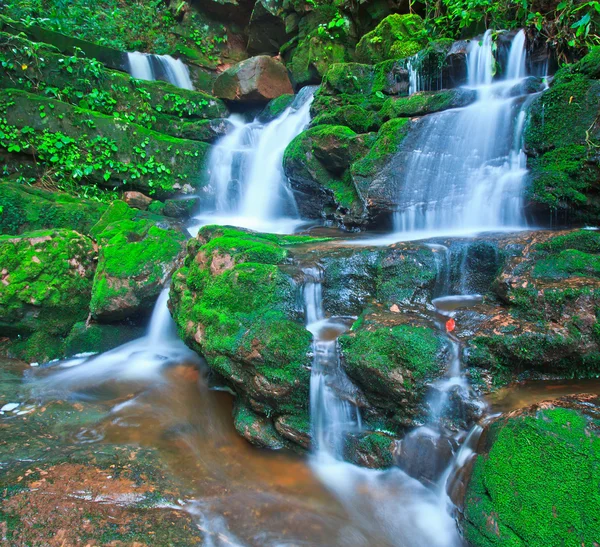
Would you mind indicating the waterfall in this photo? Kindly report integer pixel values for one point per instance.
(246, 170)
(144, 66)
(464, 170)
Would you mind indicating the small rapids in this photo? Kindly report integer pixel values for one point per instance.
(144, 66)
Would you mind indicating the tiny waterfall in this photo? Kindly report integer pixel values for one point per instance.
(386, 507)
(246, 171)
(145, 66)
(465, 169)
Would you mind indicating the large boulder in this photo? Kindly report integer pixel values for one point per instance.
(535, 481)
(137, 254)
(46, 281)
(235, 304)
(258, 79)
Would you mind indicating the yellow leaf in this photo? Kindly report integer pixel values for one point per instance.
(23, 67)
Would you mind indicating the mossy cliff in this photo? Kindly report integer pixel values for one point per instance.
(235, 305)
(536, 482)
(562, 139)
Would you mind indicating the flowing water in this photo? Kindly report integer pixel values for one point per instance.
(246, 171)
(465, 169)
(145, 66)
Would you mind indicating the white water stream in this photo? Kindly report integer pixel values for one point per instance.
(246, 171)
(466, 168)
(145, 66)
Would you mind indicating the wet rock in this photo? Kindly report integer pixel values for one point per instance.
(371, 450)
(275, 108)
(137, 253)
(180, 208)
(45, 281)
(235, 304)
(537, 465)
(295, 429)
(137, 200)
(255, 428)
(425, 455)
(258, 79)
(317, 163)
(203, 130)
(455, 64)
(95, 338)
(427, 102)
(266, 30)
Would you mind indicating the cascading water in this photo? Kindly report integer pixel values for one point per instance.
(145, 66)
(246, 171)
(387, 508)
(466, 168)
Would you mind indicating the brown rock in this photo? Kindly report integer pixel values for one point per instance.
(137, 200)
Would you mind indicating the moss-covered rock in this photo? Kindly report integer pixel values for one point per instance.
(46, 281)
(96, 338)
(426, 102)
(26, 208)
(536, 481)
(396, 37)
(84, 147)
(137, 253)
(275, 108)
(551, 284)
(236, 306)
(561, 139)
(393, 366)
(317, 163)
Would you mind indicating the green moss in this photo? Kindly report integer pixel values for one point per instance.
(25, 208)
(538, 485)
(567, 263)
(276, 107)
(352, 116)
(396, 37)
(348, 78)
(389, 138)
(586, 241)
(48, 280)
(415, 349)
(426, 102)
(314, 55)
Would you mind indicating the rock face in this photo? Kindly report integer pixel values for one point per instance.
(258, 79)
(551, 284)
(234, 304)
(135, 259)
(46, 282)
(561, 139)
(536, 479)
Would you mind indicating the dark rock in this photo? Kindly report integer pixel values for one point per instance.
(455, 64)
(180, 208)
(266, 30)
(258, 79)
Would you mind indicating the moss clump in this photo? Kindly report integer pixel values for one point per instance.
(47, 281)
(348, 78)
(586, 241)
(426, 102)
(389, 137)
(396, 37)
(568, 263)
(25, 208)
(135, 258)
(414, 349)
(538, 485)
(352, 116)
(561, 138)
(275, 108)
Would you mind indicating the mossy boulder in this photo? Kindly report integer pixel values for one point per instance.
(317, 163)
(97, 338)
(137, 252)
(258, 79)
(393, 366)
(234, 303)
(396, 37)
(46, 281)
(561, 140)
(26, 208)
(275, 108)
(550, 285)
(83, 147)
(535, 481)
